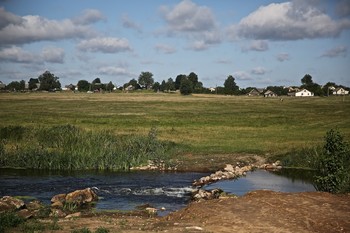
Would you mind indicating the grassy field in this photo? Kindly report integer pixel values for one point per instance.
(201, 124)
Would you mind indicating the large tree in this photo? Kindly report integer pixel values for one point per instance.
(311, 86)
(146, 79)
(307, 80)
(83, 85)
(193, 77)
(48, 81)
(32, 84)
(178, 80)
(230, 86)
(186, 86)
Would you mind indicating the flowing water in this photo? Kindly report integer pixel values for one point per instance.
(127, 190)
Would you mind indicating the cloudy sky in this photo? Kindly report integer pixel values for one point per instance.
(260, 43)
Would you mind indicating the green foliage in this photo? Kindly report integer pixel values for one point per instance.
(186, 86)
(83, 85)
(230, 87)
(146, 79)
(66, 147)
(334, 165)
(82, 230)
(48, 81)
(12, 132)
(8, 220)
(102, 230)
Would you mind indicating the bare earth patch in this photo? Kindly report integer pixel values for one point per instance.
(258, 211)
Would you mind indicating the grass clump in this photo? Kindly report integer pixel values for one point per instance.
(66, 147)
(9, 220)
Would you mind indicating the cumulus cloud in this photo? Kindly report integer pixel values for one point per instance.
(339, 51)
(89, 16)
(53, 55)
(32, 28)
(7, 18)
(241, 75)
(283, 57)
(165, 48)
(128, 23)
(288, 21)
(196, 23)
(257, 45)
(112, 70)
(105, 45)
(258, 71)
(16, 54)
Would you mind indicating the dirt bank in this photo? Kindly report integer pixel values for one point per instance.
(259, 211)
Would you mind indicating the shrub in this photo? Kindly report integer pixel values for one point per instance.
(334, 165)
(8, 220)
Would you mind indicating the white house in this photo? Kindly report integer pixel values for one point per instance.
(340, 91)
(302, 93)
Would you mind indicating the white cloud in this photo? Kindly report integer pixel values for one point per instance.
(339, 51)
(105, 45)
(128, 23)
(89, 16)
(283, 57)
(53, 55)
(18, 55)
(258, 71)
(288, 21)
(112, 70)
(257, 45)
(241, 75)
(193, 22)
(33, 28)
(165, 48)
(7, 18)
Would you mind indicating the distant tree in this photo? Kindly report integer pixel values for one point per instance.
(186, 86)
(279, 90)
(307, 80)
(32, 84)
(163, 86)
(48, 81)
(22, 85)
(198, 88)
(230, 86)
(83, 85)
(178, 81)
(133, 83)
(156, 87)
(109, 86)
(193, 77)
(96, 80)
(170, 85)
(146, 79)
(14, 86)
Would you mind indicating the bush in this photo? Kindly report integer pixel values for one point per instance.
(334, 165)
(8, 220)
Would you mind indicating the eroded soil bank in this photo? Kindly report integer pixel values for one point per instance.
(258, 211)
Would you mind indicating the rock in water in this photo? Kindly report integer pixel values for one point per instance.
(81, 197)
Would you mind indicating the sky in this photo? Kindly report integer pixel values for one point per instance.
(260, 43)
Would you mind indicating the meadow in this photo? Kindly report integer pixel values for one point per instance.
(198, 124)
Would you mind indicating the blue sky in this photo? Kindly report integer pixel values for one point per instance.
(260, 43)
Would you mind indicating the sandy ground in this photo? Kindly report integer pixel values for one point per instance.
(258, 211)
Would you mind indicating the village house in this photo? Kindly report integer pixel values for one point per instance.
(302, 93)
(255, 92)
(269, 93)
(340, 91)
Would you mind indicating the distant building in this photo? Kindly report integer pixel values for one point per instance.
(269, 93)
(2, 85)
(340, 91)
(255, 92)
(302, 93)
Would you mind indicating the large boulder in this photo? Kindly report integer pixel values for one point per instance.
(81, 197)
(8, 203)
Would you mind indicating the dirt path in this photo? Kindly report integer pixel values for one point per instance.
(259, 211)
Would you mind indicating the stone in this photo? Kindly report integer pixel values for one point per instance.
(57, 213)
(229, 168)
(151, 210)
(81, 197)
(25, 213)
(8, 203)
(59, 198)
(34, 205)
(74, 215)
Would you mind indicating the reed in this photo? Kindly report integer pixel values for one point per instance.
(66, 147)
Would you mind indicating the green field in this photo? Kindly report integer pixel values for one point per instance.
(201, 124)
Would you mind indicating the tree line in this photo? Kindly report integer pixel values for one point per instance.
(185, 84)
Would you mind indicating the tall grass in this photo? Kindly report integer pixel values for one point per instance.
(66, 147)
